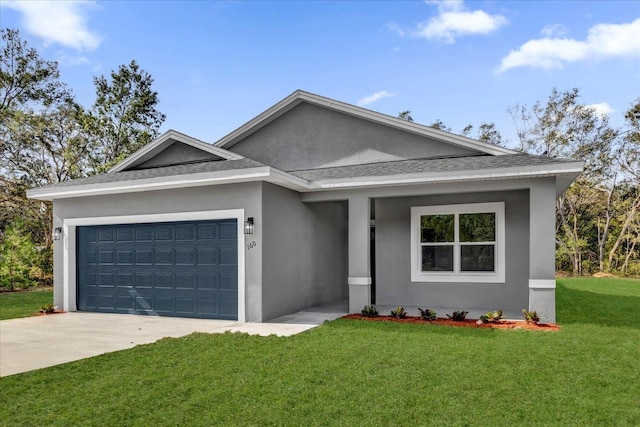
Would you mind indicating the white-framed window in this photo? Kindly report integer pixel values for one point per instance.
(458, 243)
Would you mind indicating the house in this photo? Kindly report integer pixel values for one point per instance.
(310, 202)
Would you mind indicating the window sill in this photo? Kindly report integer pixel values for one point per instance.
(456, 278)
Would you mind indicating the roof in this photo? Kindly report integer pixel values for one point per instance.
(221, 166)
(404, 172)
(300, 96)
(437, 165)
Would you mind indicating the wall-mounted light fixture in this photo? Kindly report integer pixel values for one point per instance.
(57, 233)
(248, 226)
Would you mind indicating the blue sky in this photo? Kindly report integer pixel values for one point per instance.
(216, 65)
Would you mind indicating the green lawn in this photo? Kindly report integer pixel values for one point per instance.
(356, 373)
(23, 304)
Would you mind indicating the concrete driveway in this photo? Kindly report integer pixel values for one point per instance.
(38, 342)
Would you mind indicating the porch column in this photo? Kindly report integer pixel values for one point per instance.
(359, 241)
(542, 283)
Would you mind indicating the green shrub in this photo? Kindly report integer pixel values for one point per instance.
(48, 309)
(458, 315)
(399, 313)
(427, 314)
(491, 316)
(369, 311)
(530, 316)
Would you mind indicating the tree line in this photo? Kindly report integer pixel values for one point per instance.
(598, 217)
(47, 137)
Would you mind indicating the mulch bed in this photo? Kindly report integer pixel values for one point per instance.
(468, 323)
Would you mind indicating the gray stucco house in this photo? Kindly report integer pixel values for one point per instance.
(339, 202)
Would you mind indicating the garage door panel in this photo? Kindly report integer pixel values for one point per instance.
(162, 232)
(124, 234)
(185, 256)
(144, 233)
(208, 256)
(163, 281)
(185, 281)
(228, 257)
(228, 231)
(106, 258)
(186, 269)
(207, 281)
(208, 231)
(164, 305)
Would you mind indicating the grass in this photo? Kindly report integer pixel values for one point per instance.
(23, 304)
(351, 372)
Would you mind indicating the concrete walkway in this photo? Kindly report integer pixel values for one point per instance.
(38, 342)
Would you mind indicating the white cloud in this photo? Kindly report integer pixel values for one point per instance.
(601, 108)
(58, 22)
(603, 41)
(72, 61)
(375, 97)
(454, 20)
(555, 30)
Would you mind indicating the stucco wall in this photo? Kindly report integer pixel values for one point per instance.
(304, 252)
(310, 136)
(245, 196)
(393, 263)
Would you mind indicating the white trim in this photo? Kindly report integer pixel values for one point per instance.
(444, 177)
(301, 96)
(166, 139)
(459, 277)
(359, 281)
(69, 253)
(542, 284)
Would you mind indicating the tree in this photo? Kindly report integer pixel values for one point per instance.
(26, 80)
(488, 133)
(405, 115)
(18, 256)
(439, 125)
(124, 117)
(562, 127)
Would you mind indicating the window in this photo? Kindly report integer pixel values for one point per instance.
(458, 243)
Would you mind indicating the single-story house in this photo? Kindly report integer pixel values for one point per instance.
(310, 202)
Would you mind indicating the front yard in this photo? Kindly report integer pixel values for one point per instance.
(352, 372)
(23, 304)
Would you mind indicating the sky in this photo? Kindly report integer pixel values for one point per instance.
(216, 65)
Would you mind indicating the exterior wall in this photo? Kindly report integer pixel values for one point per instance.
(304, 252)
(393, 256)
(245, 196)
(310, 136)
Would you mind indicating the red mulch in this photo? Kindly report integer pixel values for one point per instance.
(40, 313)
(468, 323)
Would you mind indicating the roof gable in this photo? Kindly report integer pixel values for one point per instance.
(173, 148)
(298, 97)
(310, 136)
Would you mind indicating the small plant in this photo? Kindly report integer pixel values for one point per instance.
(458, 315)
(427, 314)
(491, 316)
(48, 309)
(369, 311)
(530, 316)
(399, 313)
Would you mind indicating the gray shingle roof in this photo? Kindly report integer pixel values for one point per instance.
(427, 165)
(401, 167)
(166, 171)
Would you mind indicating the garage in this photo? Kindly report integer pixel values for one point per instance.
(182, 269)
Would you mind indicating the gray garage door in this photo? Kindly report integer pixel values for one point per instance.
(185, 269)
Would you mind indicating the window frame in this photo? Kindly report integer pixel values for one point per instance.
(497, 276)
